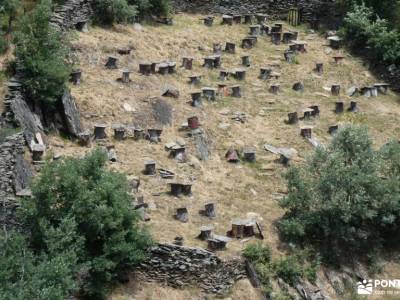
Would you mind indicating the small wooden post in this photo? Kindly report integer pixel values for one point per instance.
(193, 122)
(353, 106)
(248, 19)
(209, 62)
(315, 110)
(37, 152)
(239, 74)
(227, 20)
(176, 189)
(187, 63)
(222, 89)
(205, 232)
(261, 18)
(230, 47)
(209, 93)
(319, 68)
(306, 132)
(119, 133)
(293, 118)
(217, 48)
(84, 138)
(163, 68)
(276, 38)
(149, 167)
(111, 62)
(171, 67)
(76, 77)
(145, 68)
(274, 89)
(333, 129)
(208, 21)
(125, 76)
(237, 19)
(196, 99)
(288, 37)
(223, 75)
(289, 56)
(154, 134)
(246, 60)
(255, 30)
(236, 91)
(248, 42)
(182, 214)
(138, 133)
(194, 79)
(335, 89)
(249, 154)
(100, 131)
(339, 107)
(209, 210)
(265, 73)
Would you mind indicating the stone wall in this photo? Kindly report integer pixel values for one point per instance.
(72, 14)
(11, 156)
(180, 266)
(276, 9)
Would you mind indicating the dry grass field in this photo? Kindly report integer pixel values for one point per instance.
(238, 190)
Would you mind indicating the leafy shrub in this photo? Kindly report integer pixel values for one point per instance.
(98, 203)
(153, 7)
(41, 52)
(108, 12)
(346, 197)
(361, 29)
(3, 43)
(258, 253)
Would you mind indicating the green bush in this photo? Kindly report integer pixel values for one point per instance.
(98, 203)
(153, 7)
(361, 29)
(108, 12)
(346, 198)
(3, 43)
(258, 253)
(41, 52)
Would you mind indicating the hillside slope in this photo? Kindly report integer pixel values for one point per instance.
(238, 190)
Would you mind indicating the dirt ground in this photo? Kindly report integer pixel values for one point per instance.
(238, 190)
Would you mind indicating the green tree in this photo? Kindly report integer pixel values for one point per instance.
(42, 53)
(10, 8)
(340, 200)
(49, 274)
(98, 201)
(108, 12)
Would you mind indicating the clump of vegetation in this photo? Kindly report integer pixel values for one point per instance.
(363, 29)
(155, 7)
(41, 52)
(291, 268)
(346, 199)
(108, 12)
(82, 233)
(6, 132)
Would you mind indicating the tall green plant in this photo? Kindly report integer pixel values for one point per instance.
(99, 203)
(343, 199)
(41, 53)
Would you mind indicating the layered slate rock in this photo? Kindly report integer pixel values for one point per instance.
(180, 266)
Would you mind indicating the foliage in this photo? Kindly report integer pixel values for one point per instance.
(258, 253)
(27, 275)
(3, 43)
(156, 7)
(10, 8)
(345, 198)
(290, 268)
(108, 12)
(362, 29)
(97, 202)
(41, 52)
(5, 132)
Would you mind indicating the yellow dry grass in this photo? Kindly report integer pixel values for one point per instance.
(238, 190)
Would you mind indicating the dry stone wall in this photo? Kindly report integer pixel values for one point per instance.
(180, 266)
(12, 177)
(274, 8)
(72, 14)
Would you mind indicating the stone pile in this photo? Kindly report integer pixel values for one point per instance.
(184, 266)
